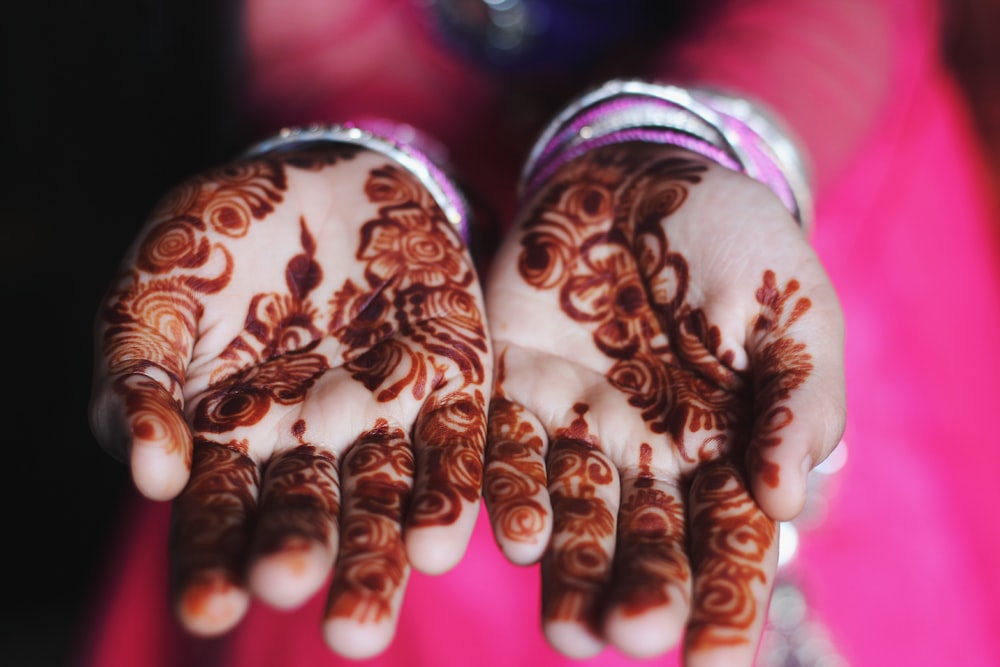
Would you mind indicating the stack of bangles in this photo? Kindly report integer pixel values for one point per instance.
(415, 151)
(728, 130)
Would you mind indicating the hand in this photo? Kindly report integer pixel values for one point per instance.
(669, 367)
(296, 346)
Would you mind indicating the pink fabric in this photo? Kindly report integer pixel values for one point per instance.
(905, 568)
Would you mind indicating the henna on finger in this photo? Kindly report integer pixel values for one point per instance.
(734, 557)
(295, 539)
(210, 531)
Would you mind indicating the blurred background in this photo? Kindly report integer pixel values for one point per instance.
(105, 106)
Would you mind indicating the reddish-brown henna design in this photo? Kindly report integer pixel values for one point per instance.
(598, 237)
(576, 566)
(300, 501)
(414, 321)
(516, 471)
(731, 537)
(782, 365)
(372, 565)
(651, 541)
(210, 532)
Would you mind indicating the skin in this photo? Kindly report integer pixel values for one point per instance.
(682, 373)
(297, 353)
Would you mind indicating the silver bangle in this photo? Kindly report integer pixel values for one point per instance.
(398, 146)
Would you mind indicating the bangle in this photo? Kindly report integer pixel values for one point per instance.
(729, 130)
(415, 151)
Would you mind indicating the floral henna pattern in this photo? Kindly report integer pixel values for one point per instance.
(576, 566)
(730, 541)
(783, 365)
(372, 565)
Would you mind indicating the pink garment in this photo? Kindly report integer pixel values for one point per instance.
(904, 571)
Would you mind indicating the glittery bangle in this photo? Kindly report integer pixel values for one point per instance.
(728, 130)
(403, 143)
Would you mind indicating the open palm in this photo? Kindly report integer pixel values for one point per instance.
(669, 367)
(296, 350)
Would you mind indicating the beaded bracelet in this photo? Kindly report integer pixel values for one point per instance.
(414, 151)
(728, 130)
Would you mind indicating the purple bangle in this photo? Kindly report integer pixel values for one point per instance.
(647, 135)
(412, 149)
(728, 130)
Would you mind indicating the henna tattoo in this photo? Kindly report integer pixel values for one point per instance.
(782, 366)
(516, 476)
(210, 531)
(576, 566)
(652, 536)
(453, 433)
(372, 565)
(300, 501)
(731, 537)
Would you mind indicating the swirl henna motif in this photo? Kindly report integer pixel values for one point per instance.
(650, 558)
(372, 565)
(732, 536)
(576, 566)
(597, 237)
(414, 321)
(517, 474)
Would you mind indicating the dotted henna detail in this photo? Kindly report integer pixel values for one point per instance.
(731, 536)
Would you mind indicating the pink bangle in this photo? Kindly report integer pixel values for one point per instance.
(727, 130)
(415, 151)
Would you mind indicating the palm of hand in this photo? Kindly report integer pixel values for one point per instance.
(631, 416)
(319, 380)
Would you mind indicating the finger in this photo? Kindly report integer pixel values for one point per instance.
(515, 482)
(295, 539)
(449, 440)
(371, 569)
(210, 535)
(796, 348)
(734, 553)
(650, 594)
(141, 423)
(583, 487)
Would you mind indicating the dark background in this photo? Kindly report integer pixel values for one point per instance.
(105, 106)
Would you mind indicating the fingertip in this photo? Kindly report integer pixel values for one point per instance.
(357, 641)
(784, 500)
(572, 639)
(287, 579)
(158, 473)
(648, 634)
(435, 550)
(212, 606)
